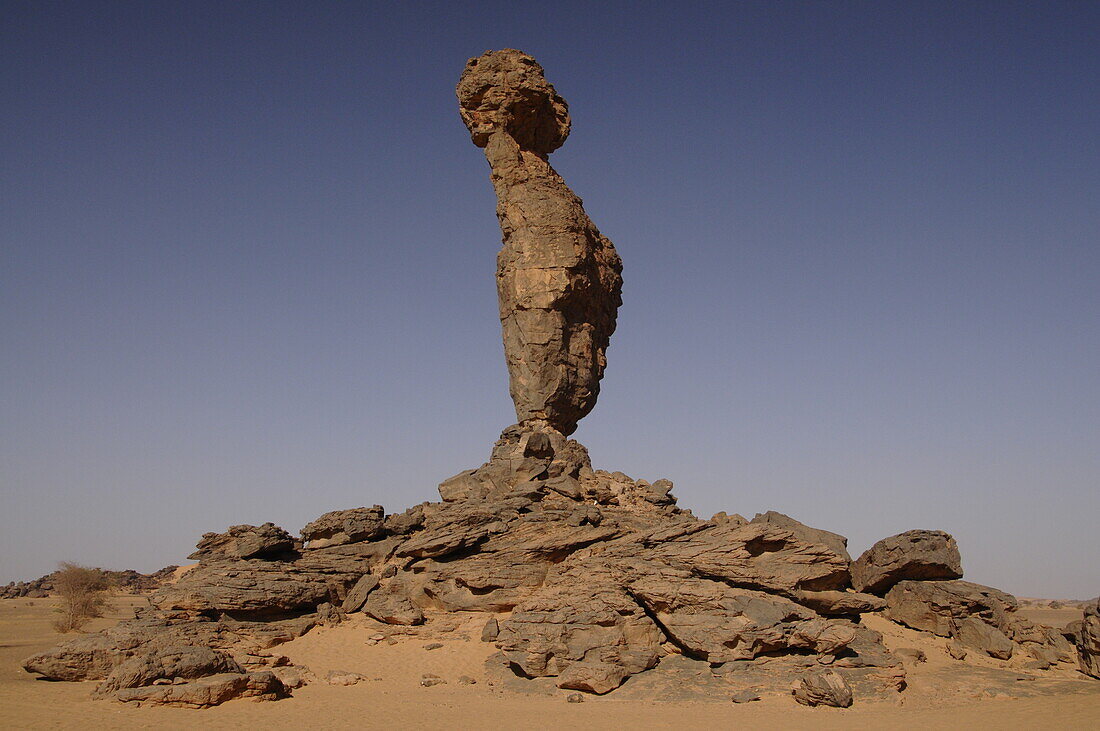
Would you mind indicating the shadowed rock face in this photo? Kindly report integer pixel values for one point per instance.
(559, 281)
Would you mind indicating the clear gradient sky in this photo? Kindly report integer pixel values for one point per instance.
(247, 258)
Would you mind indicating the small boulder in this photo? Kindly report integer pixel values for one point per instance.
(490, 631)
(914, 554)
(594, 677)
(956, 650)
(823, 688)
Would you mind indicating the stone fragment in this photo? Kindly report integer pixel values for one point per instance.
(340, 527)
(433, 645)
(823, 688)
(974, 633)
(911, 654)
(428, 680)
(490, 631)
(466, 680)
(574, 698)
(914, 554)
(745, 696)
(244, 541)
(757, 556)
(402, 524)
(559, 280)
(355, 599)
(343, 677)
(956, 650)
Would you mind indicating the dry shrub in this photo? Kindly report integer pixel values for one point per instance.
(84, 594)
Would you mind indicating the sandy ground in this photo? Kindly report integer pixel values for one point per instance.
(391, 696)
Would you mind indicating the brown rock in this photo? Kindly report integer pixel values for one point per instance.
(166, 664)
(718, 623)
(1088, 640)
(345, 526)
(355, 599)
(594, 677)
(559, 280)
(580, 619)
(974, 633)
(914, 554)
(757, 555)
(391, 604)
(244, 541)
(823, 688)
(838, 603)
(209, 691)
(933, 605)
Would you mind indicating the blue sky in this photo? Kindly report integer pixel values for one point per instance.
(247, 258)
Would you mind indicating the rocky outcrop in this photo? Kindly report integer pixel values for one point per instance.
(127, 581)
(914, 554)
(559, 280)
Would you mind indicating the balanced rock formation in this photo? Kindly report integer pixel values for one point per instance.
(559, 280)
(587, 577)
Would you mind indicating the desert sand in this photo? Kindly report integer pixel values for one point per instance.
(390, 695)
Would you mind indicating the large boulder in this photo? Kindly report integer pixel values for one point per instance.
(914, 554)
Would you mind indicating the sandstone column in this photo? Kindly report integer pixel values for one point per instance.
(559, 281)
